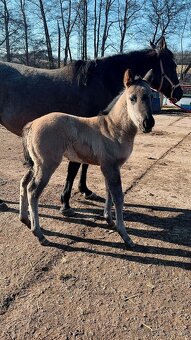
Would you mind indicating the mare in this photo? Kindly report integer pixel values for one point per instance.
(104, 140)
(81, 88)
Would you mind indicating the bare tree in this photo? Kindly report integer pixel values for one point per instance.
(83, 29)
(127, 13)
(163, 16)
(47, 35)
(59, 44)
(106, 25)
(97, 25)
(6, 39)
(69, 16)
(25, 28)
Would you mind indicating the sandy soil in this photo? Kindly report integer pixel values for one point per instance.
(87, 285)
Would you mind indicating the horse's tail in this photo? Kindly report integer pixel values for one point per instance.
(25, 135)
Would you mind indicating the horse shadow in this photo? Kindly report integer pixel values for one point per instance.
(172, 230)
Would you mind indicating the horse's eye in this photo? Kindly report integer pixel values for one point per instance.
(133, 98)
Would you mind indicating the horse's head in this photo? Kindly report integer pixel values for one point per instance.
(138, 97)
(164, 78)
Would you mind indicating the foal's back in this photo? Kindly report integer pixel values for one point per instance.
(59, 134)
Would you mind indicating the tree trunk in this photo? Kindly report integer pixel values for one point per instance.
(6, 23)
(59, 43)
(22, 4)
(47, 36)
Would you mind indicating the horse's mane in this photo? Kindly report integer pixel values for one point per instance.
(84, 69)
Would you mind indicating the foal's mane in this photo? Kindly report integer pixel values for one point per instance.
(137, 81)
(110, 105)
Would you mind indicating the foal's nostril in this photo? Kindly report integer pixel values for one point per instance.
(148, 123)
(152, 121)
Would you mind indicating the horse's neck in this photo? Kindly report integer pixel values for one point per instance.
(140, 62)
(121, 126)
(112, 68)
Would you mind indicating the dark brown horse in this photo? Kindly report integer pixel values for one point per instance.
(81, 88)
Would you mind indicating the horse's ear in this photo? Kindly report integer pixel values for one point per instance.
(162, 44)
(128, 79)
(152, 45)
(149, 76)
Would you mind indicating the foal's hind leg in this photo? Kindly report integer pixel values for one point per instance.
(23, 214)
(112, 176)
(35, 187)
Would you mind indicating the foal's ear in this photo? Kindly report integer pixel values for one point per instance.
(129, 78)
(149, 76)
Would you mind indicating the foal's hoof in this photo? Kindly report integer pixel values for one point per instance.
(111, 223)
(26, 221)
(67, 212)
(3, 206)
(91, 196)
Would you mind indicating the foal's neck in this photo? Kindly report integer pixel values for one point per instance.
(121, 126)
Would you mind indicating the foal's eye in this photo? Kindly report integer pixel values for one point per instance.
(133, 98)
(145, 97)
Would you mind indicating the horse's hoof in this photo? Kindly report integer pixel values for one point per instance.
(3, 207)
(67, 212)
(43, 241)
(92, 196)
(129, 245)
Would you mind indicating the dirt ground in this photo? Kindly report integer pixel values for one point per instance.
(87, 285)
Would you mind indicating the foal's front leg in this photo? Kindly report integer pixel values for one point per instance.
(108, 206)
(112, 176)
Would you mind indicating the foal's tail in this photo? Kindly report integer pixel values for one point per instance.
(25, 135)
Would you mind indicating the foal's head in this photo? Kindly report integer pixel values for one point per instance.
(138, 97)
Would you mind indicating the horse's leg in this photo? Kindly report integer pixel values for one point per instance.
(112, 176)
(65, 197)
(23, 214)
(35, 187)
(82, 183)
(108, 206)
(3, 206)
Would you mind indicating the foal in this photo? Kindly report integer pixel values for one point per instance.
(105, 140)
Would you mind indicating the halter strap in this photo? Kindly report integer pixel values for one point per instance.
(164, 76)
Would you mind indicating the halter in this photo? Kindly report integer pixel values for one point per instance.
(163, 75)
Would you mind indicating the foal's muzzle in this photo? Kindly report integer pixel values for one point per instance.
(148, 124)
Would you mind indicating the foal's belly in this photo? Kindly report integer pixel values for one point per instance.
(81, 155)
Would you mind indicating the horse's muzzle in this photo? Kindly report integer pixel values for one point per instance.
(176, 94)
(148, 124)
